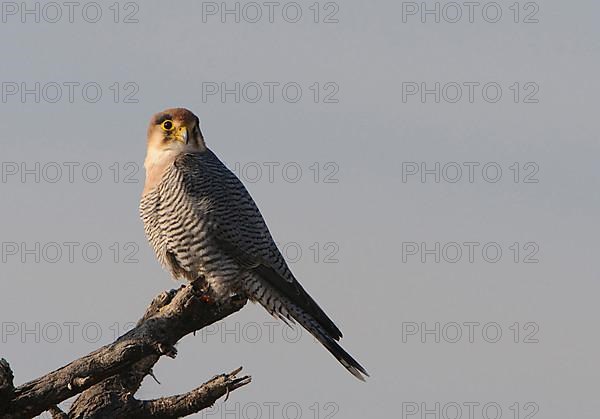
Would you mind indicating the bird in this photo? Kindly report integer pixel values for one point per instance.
(202, 222)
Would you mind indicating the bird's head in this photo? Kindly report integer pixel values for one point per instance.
(175, 130)
(170, 133)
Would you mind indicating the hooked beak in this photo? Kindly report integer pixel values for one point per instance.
(182, 134)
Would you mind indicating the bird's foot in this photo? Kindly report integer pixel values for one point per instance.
(200, 284)
(207, 299)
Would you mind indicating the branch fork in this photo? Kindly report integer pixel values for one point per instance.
(107, 379)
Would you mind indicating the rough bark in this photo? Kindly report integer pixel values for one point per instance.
(107, 378)
(6, 382)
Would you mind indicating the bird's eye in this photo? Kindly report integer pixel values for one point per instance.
(167, 125)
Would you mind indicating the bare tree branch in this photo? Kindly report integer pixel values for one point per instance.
(193, 401)
(113, 373)
(57, 413)
(6, 381)
(164, 408)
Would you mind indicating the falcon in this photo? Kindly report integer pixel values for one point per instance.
(202, 222)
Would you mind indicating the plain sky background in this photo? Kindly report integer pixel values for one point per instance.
(373, 290)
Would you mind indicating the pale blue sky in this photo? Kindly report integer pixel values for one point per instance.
(361, 221)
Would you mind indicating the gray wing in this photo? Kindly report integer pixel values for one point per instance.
(234, 222)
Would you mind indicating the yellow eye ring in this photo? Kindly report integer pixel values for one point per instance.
(167, 125)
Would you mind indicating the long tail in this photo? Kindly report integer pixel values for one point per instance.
(330, 344)
(310, 316)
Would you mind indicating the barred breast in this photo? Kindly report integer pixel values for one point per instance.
(201, 220)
